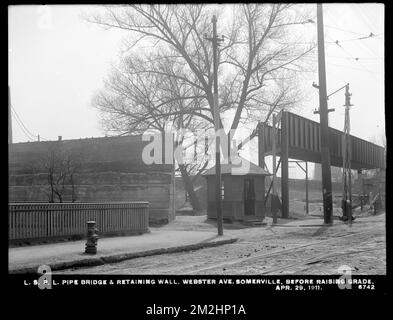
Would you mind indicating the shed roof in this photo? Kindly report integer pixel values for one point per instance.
(239, 170)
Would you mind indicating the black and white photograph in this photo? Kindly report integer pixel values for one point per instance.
(186, 145)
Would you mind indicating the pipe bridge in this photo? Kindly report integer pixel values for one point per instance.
(299, 138)
(304, 143)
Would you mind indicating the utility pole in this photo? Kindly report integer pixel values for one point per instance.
(261, 144)
(216, 115)
(307, 206)
(274, 151)
(347, 183)
(9, 118)
(323, 112)
(284, 165)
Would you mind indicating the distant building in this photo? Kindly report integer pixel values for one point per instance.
(111, 169)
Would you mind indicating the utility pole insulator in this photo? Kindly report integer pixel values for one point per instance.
(347, 96)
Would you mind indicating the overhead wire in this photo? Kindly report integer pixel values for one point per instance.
(357, 58)
(354, 58)
(354, 68)
(28, 136)
(344, 30)
(17, 116)
(363, 37)
(371, 34)
(364, 17)
(25, 130)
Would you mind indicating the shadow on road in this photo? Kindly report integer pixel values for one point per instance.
(320, 231)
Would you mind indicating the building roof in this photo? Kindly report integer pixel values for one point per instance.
(245, 168)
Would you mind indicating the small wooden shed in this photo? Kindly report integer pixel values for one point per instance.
(243, 193)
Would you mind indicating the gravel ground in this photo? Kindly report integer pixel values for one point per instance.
(290, 248)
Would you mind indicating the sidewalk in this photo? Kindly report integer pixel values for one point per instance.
(71, 254)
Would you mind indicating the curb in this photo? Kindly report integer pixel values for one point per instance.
(91, 262)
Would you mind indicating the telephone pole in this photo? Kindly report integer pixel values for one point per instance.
(323, 112)
(347, 183)
(216, 115)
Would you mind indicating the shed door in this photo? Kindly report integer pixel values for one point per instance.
(249, 197)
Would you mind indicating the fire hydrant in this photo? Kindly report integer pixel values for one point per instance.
(92, 238)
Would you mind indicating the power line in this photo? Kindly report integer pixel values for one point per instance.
(371, 35)
(349, 57)
(365, 18)
(353, 57)
(348, 67)
(338, 43)
(362, 45)
(26, 131)
(354, 68)
(357, 58)
(21, 126)
(343, 30)
(362, 36)
(16, 114)
(357, 10)
(313, 60)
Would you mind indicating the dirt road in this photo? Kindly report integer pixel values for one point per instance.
(294, 247)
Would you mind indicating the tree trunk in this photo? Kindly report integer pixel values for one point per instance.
(190, 189)
(59, 196)
(73, 198)
(51, 195)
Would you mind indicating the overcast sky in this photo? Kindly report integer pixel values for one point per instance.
(57, 61)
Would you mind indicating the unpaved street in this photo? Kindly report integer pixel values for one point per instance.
(294, 247)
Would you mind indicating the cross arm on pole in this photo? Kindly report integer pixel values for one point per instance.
(337, 91)
(329, 110)
(329, 95)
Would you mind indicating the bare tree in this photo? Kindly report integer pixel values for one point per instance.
(256, 55)
(60, 168)
(172, 84)
(134, 102)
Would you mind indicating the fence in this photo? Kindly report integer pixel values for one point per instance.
(52, 220)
